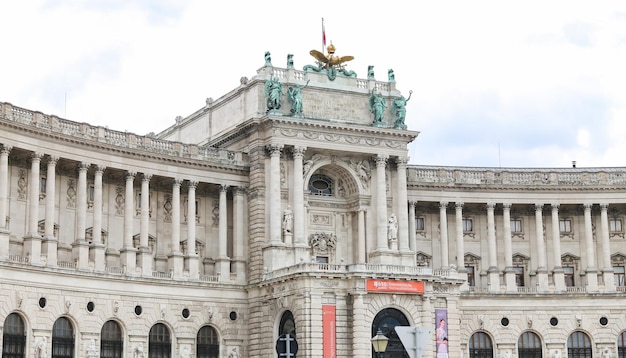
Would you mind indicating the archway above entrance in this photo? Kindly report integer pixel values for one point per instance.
(386, 321)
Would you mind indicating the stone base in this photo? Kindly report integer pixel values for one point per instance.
(4, 244)
(191, 262)
(80, 252)
(278, 255)
(32, 248)
(176, 262)
(128, 260)
(383, 257)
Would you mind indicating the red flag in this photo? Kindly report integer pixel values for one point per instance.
(323, 34)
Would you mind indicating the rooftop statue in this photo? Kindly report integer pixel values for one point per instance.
(274, 93)
(294, 95)
(398, 106)
(330, 63)
(377, 106)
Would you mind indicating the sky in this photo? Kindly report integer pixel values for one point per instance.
(495, 83)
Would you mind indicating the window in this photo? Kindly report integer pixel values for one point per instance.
(529, 345)
(287, 324)
(159, 345)
(207, 343)
(480, 346)
(321, 259)
(111, 341)
(320, 184)
(42, 185)
(579, 346)
(516, 225)
(62, 339)
(568, 274)
(519, 276)
(565, 225)
(621, 345)
(468, 225)
(471, 278)
(13, 337)
(615, 225)
(90, 193)
(618, 276)
(419, 224)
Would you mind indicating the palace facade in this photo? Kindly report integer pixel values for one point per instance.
(248, 220)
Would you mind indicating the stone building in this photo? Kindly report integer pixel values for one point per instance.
(252, 218)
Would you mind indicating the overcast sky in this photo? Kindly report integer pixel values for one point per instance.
(495, 83)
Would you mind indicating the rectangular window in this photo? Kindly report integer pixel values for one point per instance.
(569, 276)
(615, 225)
(565, 225)
(468, 225)
(321, 259)
(516, 225)
(519, 276)
(419, 224)
(471, 278)
(618, 276)
(42, 185)
(90, 193)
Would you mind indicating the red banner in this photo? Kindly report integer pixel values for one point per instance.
(395, 286)
(329, 331)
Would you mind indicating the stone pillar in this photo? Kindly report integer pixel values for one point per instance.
(361, 256)
(175, 258)
(493, 271)
(361, 344)
(298, 197)
(128, 253)
(401, 198)
(275, 214)
(238, 234)
(412, 228)
(591, 270)
(223, 261)
(542, 267)
(80, 247)
(460, 245)
(4, 201)
(50, 242)
(32, 241)
(192, 255)
(97, 245)
(443, 229)
(607, 271)
(145, 255)
(509, 272)
(558, 274)
(381, 207)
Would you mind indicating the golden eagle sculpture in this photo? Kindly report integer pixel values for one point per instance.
(330, 60)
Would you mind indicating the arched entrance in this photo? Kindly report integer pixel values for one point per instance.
(385, 321)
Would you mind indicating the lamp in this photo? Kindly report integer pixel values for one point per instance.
(379, 342)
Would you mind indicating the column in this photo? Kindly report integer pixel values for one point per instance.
(460, 243)
(223, 261)
(128, 253)
(192, 255)
(4, 201)
(492, 271)
(592, 273)
(542, 267)
(175, 258)
(361, 237)
(80, 247)
(412, 228)
(32, 241)
(239, 235)
(607, 271)
(403, 225)
(145, 255)
(275, 212)
(298, 198)
(381, 200)
(558, 274)
(361, 344)
(49, 243)
(443, 228)
(97, 245)
(509, 272)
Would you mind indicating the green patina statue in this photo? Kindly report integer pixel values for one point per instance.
(398, 106)
(294, 95)
(391, 75)
(274, 93)
(377, 106)
(268, 58)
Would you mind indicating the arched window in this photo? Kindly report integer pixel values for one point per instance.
(287, 324)
(320, 184)
(207, 343)
(480, 346)
(13, 337)
(579, 345)
(111, 341)
(160, 344)
(529, 346)
(62, 339)
(386, 321)
(621, 345)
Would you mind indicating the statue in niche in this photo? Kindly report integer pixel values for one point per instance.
(556, 353)
(92, 350)
(41, 350)
(606, 353)
(398, 106)
(392, 228)
(294, 95)
(138, 351)
(287, 220)
(274, 93)
(268, 58)
(391, 76)
(234, 353)
(377, 106)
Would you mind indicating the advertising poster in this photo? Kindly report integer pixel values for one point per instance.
(329, 331)
(441, 332)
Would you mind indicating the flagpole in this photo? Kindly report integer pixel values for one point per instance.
(323, 37)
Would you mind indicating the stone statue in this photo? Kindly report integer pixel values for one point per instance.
(606, 353)
(41, 350)
(391, 76)
(234, 353)
(294, 95)
(138, 351)
(287, 220)
(185, 352)
(556, 353)
(392, 228)
(92, 350)
(398, 106)
(377, 106)
(370, 72)
(506, 353)
(274, 93)
(268, 58)
(290, 61)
